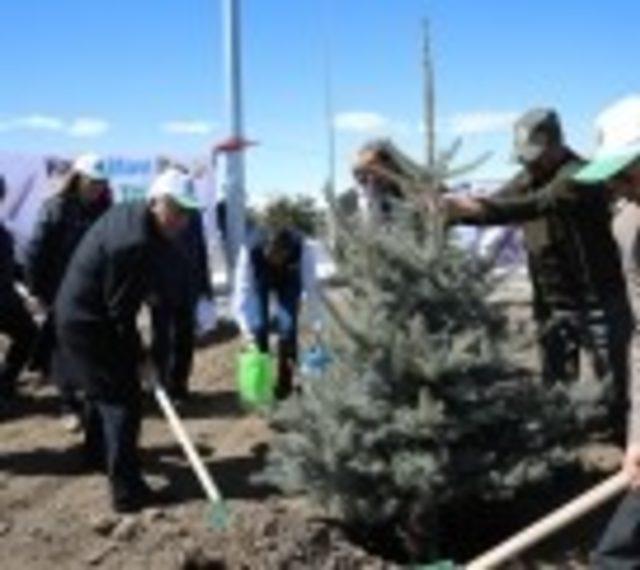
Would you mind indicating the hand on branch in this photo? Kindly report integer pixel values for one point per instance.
(457, 207)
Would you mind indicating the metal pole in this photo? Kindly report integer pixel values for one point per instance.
(429, 98)
(331, 131)
(235, 172)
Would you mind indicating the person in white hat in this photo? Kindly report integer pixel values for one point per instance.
(109, 278)
(617, 165)
(63, 221)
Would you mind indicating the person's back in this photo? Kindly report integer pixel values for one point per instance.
(109, 273)
(64, 220)
(270, 278)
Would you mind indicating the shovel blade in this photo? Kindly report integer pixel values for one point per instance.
(219, 516)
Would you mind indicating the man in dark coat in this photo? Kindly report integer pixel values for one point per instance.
(64, 220)
(579, 293)
(107, 281)
(185, 280)
(15, 320)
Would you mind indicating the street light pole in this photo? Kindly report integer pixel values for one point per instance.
(235, 168)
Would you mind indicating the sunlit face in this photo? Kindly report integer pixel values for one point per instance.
(546, 163)
(627, 184)
(171, 218)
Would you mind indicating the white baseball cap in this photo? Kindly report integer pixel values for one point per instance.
(618, 128)
(91, 166)
(176, 185)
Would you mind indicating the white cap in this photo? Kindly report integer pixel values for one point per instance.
(91, 166)
(618, 128)
(176, 185)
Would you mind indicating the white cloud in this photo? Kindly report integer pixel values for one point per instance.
(482, 122)
(361, 122)
(36, 122)
(79, 127)
(86, 127)
(188, 127)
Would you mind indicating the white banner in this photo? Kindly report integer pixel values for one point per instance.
(29, 184)
(27, 187)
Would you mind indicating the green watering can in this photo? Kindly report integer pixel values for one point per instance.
(255, 378)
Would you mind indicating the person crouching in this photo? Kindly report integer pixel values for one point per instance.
(278, 263)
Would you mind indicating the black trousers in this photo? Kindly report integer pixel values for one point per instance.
(107, 363)
(287, 305)
(16, 322)
(603, 332)
(112, 431)
(619, 547)
(172, 346)
(49, 361)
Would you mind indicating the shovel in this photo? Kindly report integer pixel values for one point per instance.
(219, 515)
(552, 523)
(545, 527)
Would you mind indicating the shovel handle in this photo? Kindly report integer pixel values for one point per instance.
(198, 466)
(550, 524)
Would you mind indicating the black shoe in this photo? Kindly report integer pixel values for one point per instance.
(126, 506)
(136, 498)
(8, 392)
(179, 395)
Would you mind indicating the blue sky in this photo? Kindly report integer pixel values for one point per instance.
(146, 76)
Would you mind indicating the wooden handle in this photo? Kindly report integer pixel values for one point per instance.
(198, 466)
(558, 519)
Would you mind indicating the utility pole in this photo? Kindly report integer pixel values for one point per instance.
(331, 130)
(429, 98)
(235, 167)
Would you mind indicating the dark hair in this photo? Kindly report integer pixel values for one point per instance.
(3, 188)
(381, 149)
(279, 239)
(71, 185)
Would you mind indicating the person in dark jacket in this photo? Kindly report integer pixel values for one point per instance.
(15, 320)
(579, 293)
(185, 280)
(64, 219)
(109, 277)
(277, 263)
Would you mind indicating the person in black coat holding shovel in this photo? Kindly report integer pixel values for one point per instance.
(15, 320)
(64, 220)
(184, 279)
(110, 276)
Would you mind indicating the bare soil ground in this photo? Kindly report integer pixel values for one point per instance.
(54, 515)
